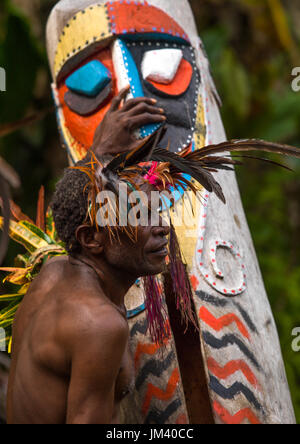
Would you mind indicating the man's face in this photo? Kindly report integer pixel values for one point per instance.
(144, 256)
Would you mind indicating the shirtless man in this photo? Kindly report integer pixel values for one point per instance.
(70, 359)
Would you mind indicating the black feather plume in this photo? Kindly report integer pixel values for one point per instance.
(198, 164)
(140, 154)
(250, 145)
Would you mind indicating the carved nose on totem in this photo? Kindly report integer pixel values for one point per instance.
(127, 74)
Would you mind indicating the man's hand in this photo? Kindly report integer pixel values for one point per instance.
(115, 134)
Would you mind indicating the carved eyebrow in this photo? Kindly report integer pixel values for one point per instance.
(155, 37)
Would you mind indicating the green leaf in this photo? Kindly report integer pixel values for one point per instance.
(40, 233)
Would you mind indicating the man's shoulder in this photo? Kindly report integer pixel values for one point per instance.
(51, 273)
(55, 264)
(92, 320)
(75, 307)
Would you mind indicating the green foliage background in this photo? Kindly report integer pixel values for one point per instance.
(253, 46)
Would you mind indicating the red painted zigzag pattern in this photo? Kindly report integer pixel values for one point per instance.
(230, 368)
(219, 372)
(238, 418)
(148, 349)
(219, 323)
(163, 395)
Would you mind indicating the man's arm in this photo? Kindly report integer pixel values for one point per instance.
(96, 351)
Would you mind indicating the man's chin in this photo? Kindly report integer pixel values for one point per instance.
(155, 270)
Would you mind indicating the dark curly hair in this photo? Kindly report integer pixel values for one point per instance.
(70, 206)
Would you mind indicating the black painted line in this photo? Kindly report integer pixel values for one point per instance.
(153, 367)
(226, 340)
(232, 391)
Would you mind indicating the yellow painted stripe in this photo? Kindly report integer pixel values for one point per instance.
(200, 134)
(187, 235)
(86, 27)
(72, 144)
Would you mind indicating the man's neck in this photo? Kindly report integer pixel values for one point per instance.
(114, 283)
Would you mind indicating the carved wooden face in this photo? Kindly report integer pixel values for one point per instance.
(140, 45)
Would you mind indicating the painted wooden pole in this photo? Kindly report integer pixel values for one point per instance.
(233, 371)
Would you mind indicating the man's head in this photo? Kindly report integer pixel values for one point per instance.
(141, 255)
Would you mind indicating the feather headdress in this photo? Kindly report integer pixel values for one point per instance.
(165, 170)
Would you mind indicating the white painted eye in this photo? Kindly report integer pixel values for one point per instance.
(162, 65)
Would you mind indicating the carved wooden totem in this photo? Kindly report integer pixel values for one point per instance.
(232, 372)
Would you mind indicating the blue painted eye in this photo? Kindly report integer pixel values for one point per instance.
(90, 79)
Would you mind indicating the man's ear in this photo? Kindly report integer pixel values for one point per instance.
(90, 239)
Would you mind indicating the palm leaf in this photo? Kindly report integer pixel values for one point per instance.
(24, 234)
(9, 297)
(50, 226)
(17, 276)
(36, 230)
(40, 246)
(8, 313)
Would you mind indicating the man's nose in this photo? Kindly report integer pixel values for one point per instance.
(161, 231)
(126, 70)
